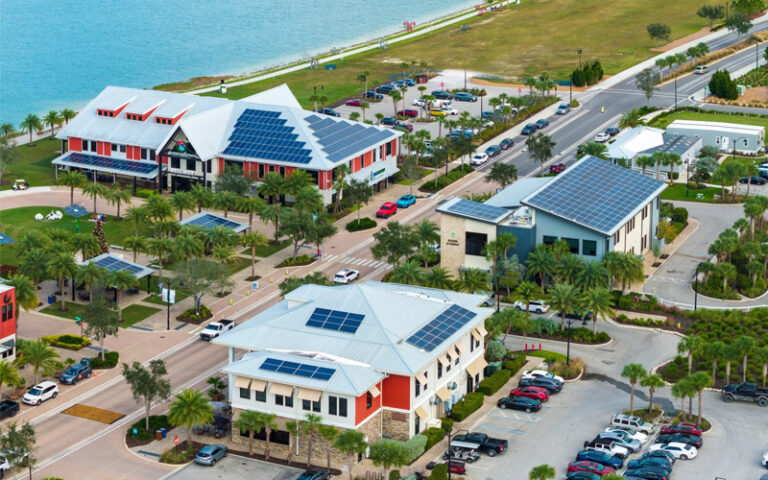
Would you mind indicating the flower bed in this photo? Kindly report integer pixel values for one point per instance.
(69, 342)
(298, 261)
(190, 316)
(363, 224)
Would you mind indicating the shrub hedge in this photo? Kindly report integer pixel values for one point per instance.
(445, 180)
(300, 260)
(364, 224)
(433, 435)
(446, 423)
(467, 405)
(110, 360)
(492, 384)
(440, 472)
(70, 342)
(513, 366)
(156, 422)
(190, 316)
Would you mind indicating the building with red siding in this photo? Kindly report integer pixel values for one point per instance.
(164, 140)
(7, 323)
(386, 359)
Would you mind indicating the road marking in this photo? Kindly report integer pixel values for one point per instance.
(517, 418)
(500, 429)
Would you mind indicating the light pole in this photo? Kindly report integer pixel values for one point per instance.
(314, 97)
(570, 322)
(570, 90)
(696, 288)
(757, 58)
(451, 434)
(674, 107)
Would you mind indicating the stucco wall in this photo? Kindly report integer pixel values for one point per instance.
(550, 225)
(714, 138)
(451, 243)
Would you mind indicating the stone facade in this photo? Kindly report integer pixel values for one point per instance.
(372, 428)
(396, 425)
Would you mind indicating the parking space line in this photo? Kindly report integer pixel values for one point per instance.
(527, 420)
(500, 429)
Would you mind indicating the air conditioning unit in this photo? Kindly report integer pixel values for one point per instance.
(453, 386)
(436, 401)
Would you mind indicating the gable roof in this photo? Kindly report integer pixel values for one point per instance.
(596, 194)
(738, 128)
(679, 144)
(636, 140)
(512, 195)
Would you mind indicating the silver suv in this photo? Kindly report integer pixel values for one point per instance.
(633, 422)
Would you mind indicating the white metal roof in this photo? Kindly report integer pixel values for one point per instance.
(717, 126)
(280, 95)
(512, 195)
(634, 141)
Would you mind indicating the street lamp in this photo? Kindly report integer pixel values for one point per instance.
(570, 322)
(314, 97)
(452, 434)
(696, 288)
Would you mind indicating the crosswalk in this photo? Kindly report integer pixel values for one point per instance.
(358, 262)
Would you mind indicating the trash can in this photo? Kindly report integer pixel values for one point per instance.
(163, 432)
(158, 435)
(51, 299)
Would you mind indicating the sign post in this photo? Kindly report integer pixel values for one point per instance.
(169, 297)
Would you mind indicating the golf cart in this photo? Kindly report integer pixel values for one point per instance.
(20, 184)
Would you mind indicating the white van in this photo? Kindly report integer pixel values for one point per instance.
(635, 423)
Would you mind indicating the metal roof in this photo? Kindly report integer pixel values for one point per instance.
(133, 168)
(392, 314)
(513, 195)
(211, 220)
(717, 126)
(636, 140)
(114, 263)
(679, 144)
(473, 210)
(596, 194)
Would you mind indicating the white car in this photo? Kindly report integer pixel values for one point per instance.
(488, 124)
(419, 102)
(479, 159)
(4, 466)
(611, 448)
(701, 70)
(764, 462)
(346, 276)
(41, 392)
(537, 306)
(602, 137)
(542, 373)
(639, 436)
(678, 450)
(449, 110)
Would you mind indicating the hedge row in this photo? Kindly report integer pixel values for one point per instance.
(445, 180)
(70, 342)
(492, 384)
(110, 360)
(466, 406)
(433, 435)
(363, 224)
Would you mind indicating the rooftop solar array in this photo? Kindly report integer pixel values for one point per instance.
(209, 220)
(595, 193)
(300, 369)
(335, 320)
(441, 327)
(263, 134)
(340, 139)
(477, 210)
(115, 264)
(108, 164)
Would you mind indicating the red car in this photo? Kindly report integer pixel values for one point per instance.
(688, 428)
(354, 103)
(556, 167)
(531, 392)
(591, 467)
(457, 467)
(386, 210)
(408, 112)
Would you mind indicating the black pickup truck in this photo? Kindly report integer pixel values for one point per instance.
(8, 409)
(491, 446)
(748, 392)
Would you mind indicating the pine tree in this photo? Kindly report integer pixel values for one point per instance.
(98, 232)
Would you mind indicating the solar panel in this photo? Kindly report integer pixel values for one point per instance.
(441, 327)
(339, 139)
(596, 194)
(477, 210)
(96, 162)
(116, 265)
(263, 134)
(300, 369)
(335, 320)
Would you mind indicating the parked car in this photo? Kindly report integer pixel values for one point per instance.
(41, 392)
(652, 461)
(442, 95)
(488, 115)
(660, 454)
(631, 421)
(408, 112)
(491, 446)
(506, 143)
(537, 306)
(552, 385)
(612, 131)
(492, 151)
(748, 392)
(329, 111)
(639, 436)
(419, 102)
(449, 110)
(648, 473)
(384, 89)
(479, 159)
(539, 393)
(542, 123)
(214, 329)
(457, 467)
(679, 450)
(685, 438)
(600, 457)
(406, 127)
(464, 97)
(556, 167)
(4, 466)
(315, 474)
(210, 454)
(587, 466)
(389, 121)
(386, 210)
(582, 475)
(406, 201)
(8, 408)
(701, 69)
(764, 461)
(373, 95)
(607, 446)
(76, 372)
(345, 276)
(525, 404)
(580, 149)
(753, 180)
(457, 133)
(602, 137)
(542, 373)
(437, 112)
(563, 108)
(528, 129)
(463, 451)
(623, 440)
(689, 428)
(354, 102)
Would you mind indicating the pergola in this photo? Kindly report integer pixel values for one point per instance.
(115, 264)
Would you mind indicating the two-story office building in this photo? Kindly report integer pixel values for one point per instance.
(386, 359)
(157, 139)
(7, 323)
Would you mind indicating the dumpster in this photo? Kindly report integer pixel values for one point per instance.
(163, 432)
(158, 435)
(492, 368)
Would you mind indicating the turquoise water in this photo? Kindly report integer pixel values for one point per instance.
(60, 54)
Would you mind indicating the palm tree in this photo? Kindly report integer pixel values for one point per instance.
(137, 217)
(268, 424)
(473, 280)
(42, 357)
(26, 293)
(541, 472)
(564, 298)
(659, 158)
(528, 291)
(652, 382)
(183, 202)
(188, 245)
(593, 274)
(631, 119)
(252, 206)
(700, 381)
(201, 194)
(744, 346)
(540, 147)
(72, 179)
(62, 265)
(94, 190)
(679, 390)
(9, 375)
(730, 354)
(226, 201)
(727, 272)
(136, 244)
(630, 269)
(596, 149)
(691, 346)
(6, 129)
(408, 273)
(644, 161)
(363, 107)
(439, 277)
(427, 234)
(339, 184)
(293, 429)
(249, 421)
(31, 123)
(52, 119)
(714, 351)
(569, 268)
(254, 240)
(120, 280)
(90, 275)
(599, 301)
(118, 196)
(161, 247)
(329, 434)
(190, 408)
(351, 443)
(396, 97)
(541, 263)
(309, 427)
(518, 321)
(67, 114)
(159, 209)
(633, 372)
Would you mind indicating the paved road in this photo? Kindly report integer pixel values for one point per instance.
(235, 467)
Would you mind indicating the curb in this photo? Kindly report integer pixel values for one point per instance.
(594, 345)
(573, 380)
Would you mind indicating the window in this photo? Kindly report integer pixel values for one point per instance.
(282, 171)
(114, 147)
(122, 148)
(369, 399)
(471, 344)
(658, 202)
(342, 407)
(333, 403)
(285, 401)
(245, 393)
(417, 388)
(458, 356)
(93, 146)
(573, 244)
(271, 168)
(208, 166)
(143, 153)
(645, 212)
(439, 370)
(589, 248)
(548, 240)
(261, 170)
(475, 243)
(631, 225)
(261, 396)
(389, 148)
(416, 425)
(191, 164)
(617, 237)
(309, 405)
(448, 368)
(426, 374)
(717, 140)
(152, 155)
(175, 163)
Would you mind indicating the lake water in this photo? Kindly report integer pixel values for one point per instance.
(60, 54)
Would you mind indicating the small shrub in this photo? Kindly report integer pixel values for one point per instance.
(394, 475)
(144, 193)
(466, 406)
(364, 224)
(679, 214)
(492, 384)
(300, 260)
(190, 316)
(433, 435)
(156, 422)
(70, 342)
(446, 424)
(415, 447)
(110, 361)
(175, 458)
(568, 372)
(440, 472)
(513, 366)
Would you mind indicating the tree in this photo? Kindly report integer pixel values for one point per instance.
(748, 7)
(738, 22)
(726, 271)
(411, 171)
(387, 454)
(652, 382)
(52, 119)
(473, 280)
(26, 293)
(121, 280)
(502, 173)
(148, 384)
(659, 31)
(268, 424)
(541, 263)
(596, 149)
(117, 196)
(6, 129)
(67, 115)
(711, 13)
(8, 155)
(599, 301)
(161, 247)
(182, 201)
(542, 472)
(396, 97)
(190, 408)
(692, 346)
(137, 217)
(526, 292)
(72, 179)
(297, 226)
(17, 444)
(700, 381)
(351, 443)
(394, 242)
(516, 320)
(540, 147)
(744, 345)
(62, 265)
(438, 277)
(40, 356)
(633, 372)
(101, 319)
(427, 234)
(31, 123)
(496, 252)
(722, 86)
(628, 269)
(9, 375)
(564, 298)
(293, 429)
(329, 434)
(253, 240)
(225, 200)
(200, 276)
(249, 421)
(94, 190)
(408, 273)
(646, 82)
(322, 230)
(250, 205)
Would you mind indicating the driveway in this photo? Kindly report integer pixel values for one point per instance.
(672, 281)
(234, 467)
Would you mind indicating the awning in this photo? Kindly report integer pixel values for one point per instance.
(374, 391)
(133, 168)
(443, 394)
(421, 413)
(443, 359)
(309, 394)
(280, 389)
(482, 330)
(460, 347)
(258, 385)
(477, 366)
(421, 378)
(476, 335)
(243, 382)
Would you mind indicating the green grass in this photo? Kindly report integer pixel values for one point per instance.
(664, 121)
(677, 192)
(549, 357)
(133, 314)
(16, 220)
(237, 264)
(423, 172)
(34, 166)
(270, 249)
(73, 310)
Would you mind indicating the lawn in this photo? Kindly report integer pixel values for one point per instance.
(132, 314)
(238, 263)
(677, 192)
(535, 36)
(16, 220)
(34, 166)
(72, 310)
(265, 252)
(423, 172)
(664, 121)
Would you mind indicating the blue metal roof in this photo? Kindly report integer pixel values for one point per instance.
(474, 210)
(263, 134)
(115, 264)
(340, 139)
(99, 163)
(211, 220)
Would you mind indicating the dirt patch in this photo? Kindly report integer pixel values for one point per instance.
(680, 41)
(754, 94)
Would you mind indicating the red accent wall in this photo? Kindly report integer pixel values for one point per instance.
(178, 117)
(8, 310)
(324, 179)
(117, 112)
(107, 149)
(394, 147)
(361, 412)
(75, 144)
(103, 148)
(221, 166)
(368, 158)
(397, 392)
(289, 171)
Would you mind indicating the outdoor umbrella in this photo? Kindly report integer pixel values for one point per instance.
(76, 211)
(5, 239)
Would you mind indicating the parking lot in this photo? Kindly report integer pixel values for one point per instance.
(234, 467)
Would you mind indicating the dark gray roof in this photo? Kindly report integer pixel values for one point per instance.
(596, 194)
(474, 210)
(678, 144)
